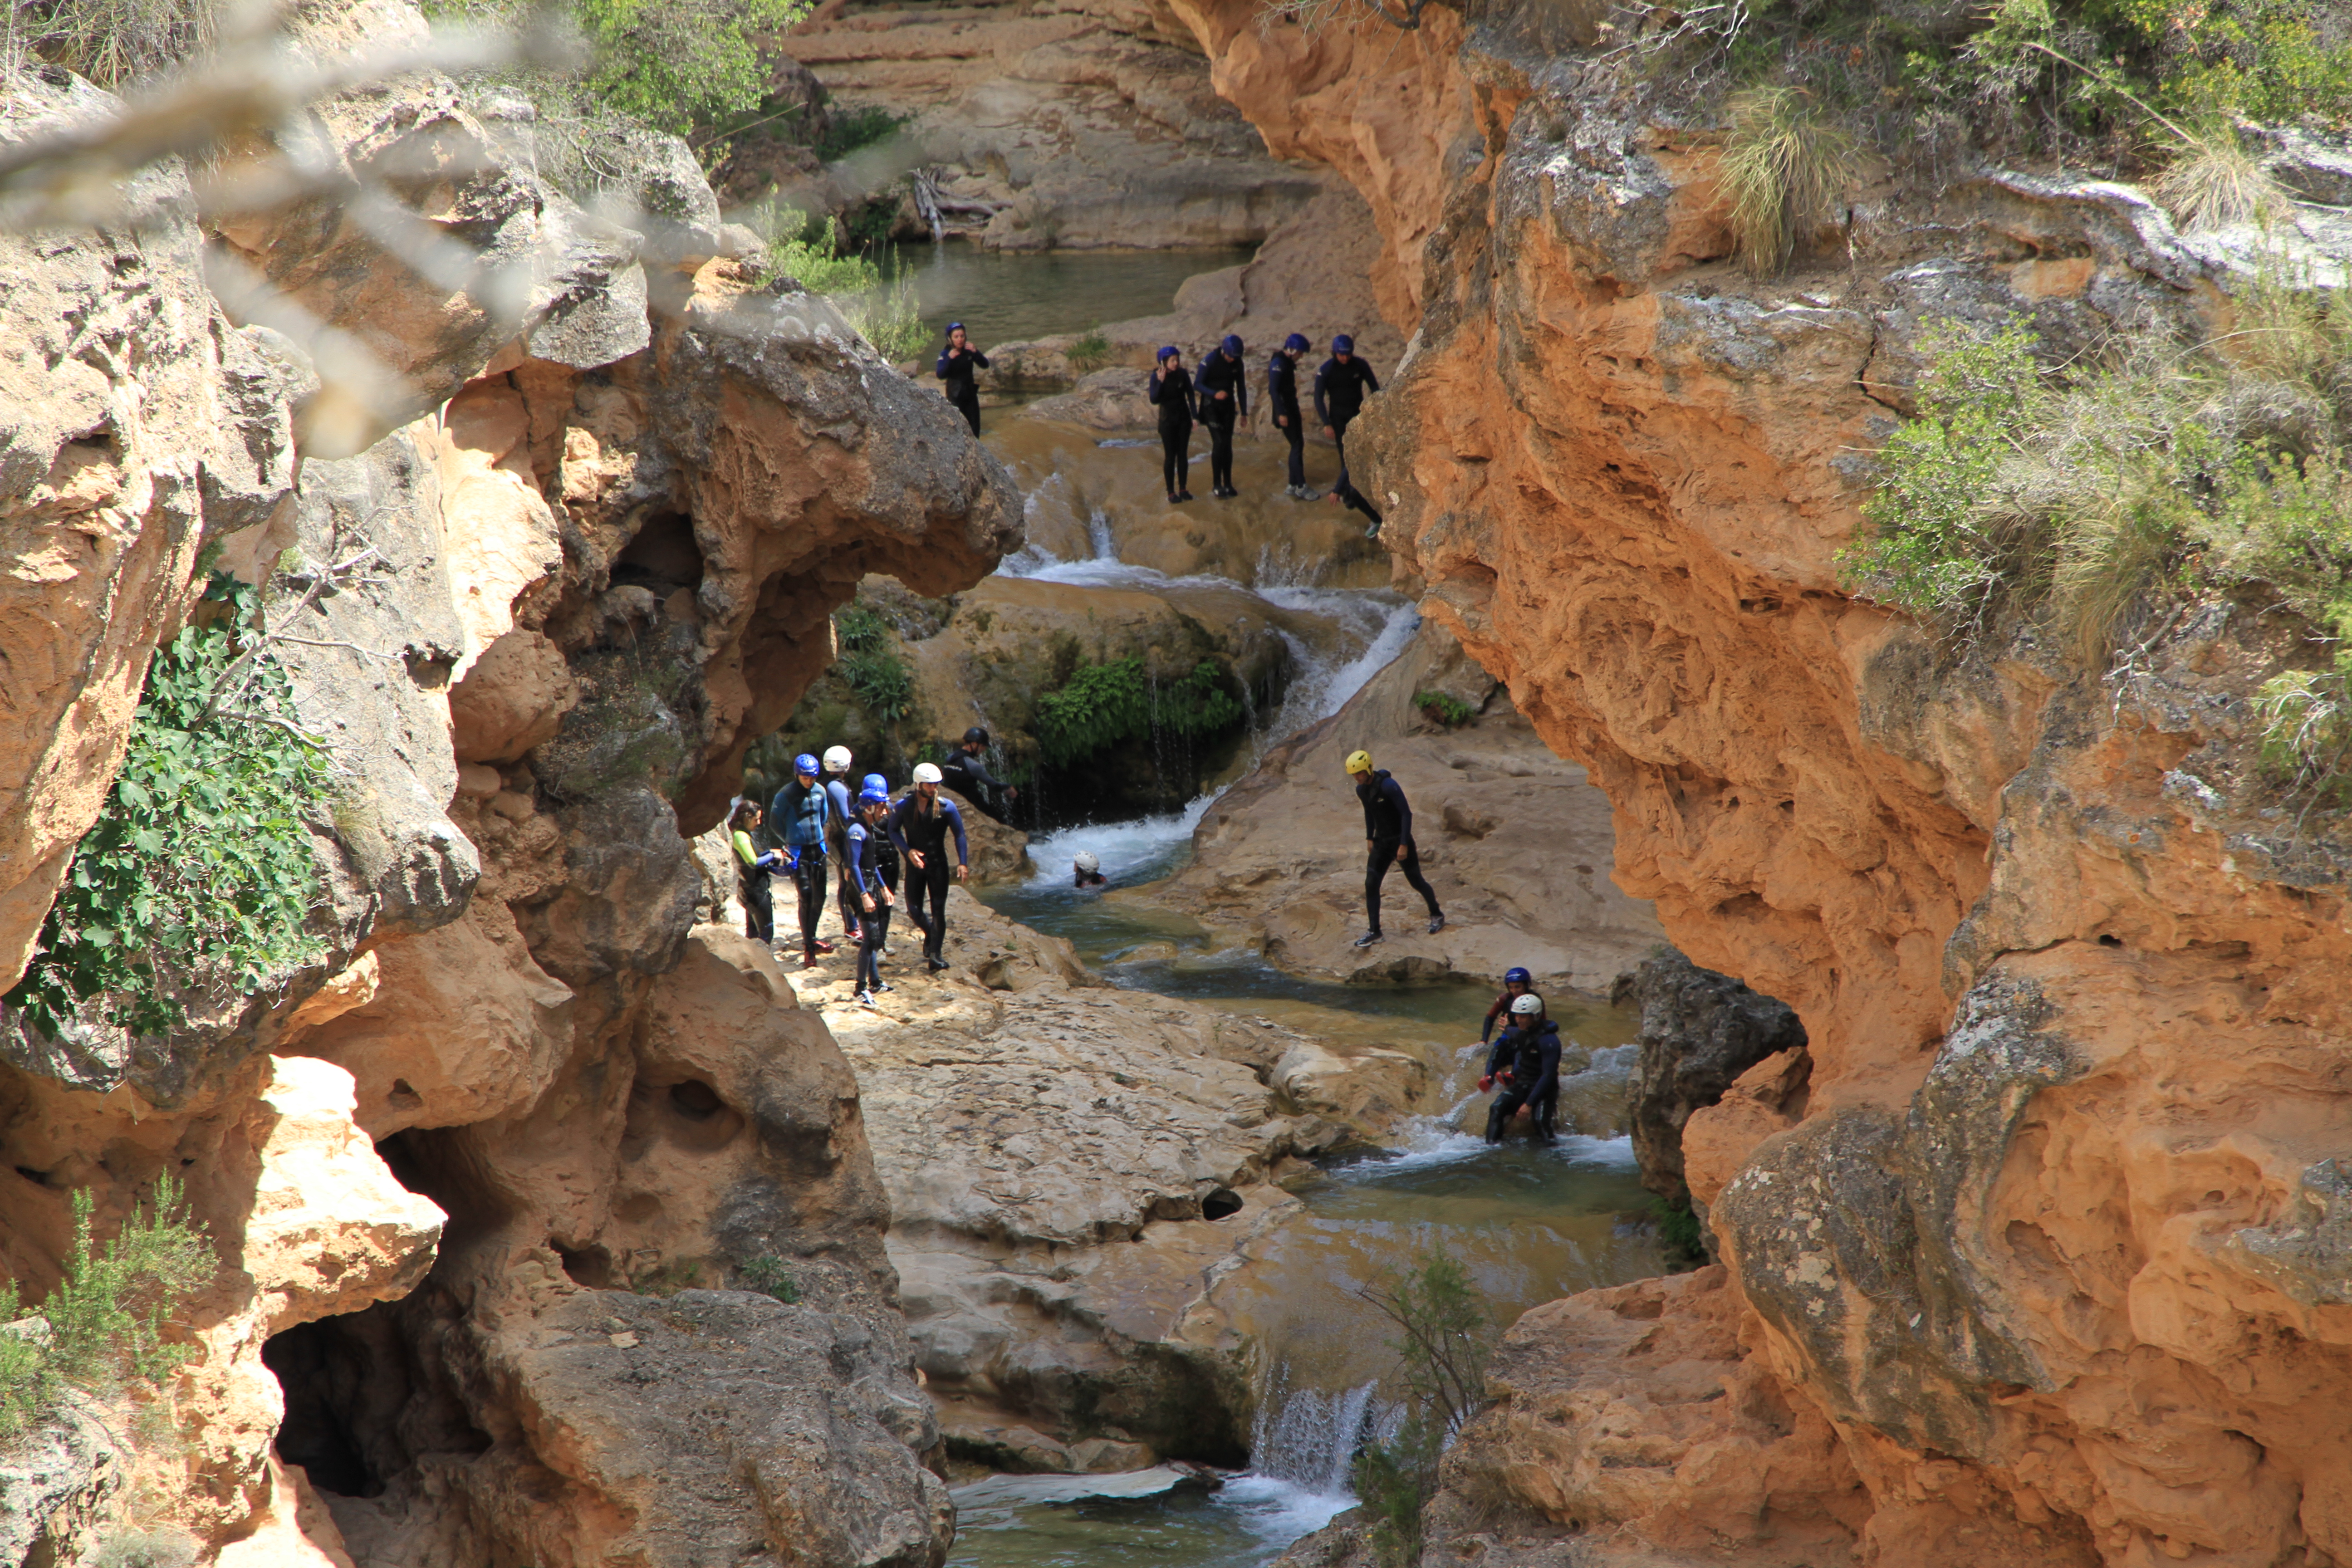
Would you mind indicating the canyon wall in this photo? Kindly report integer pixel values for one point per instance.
(2030, 1254)
(522, 1177)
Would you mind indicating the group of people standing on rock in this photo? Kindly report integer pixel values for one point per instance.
(1217, 396)
(860, 848)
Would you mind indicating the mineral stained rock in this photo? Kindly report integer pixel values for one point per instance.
(2045, 1232)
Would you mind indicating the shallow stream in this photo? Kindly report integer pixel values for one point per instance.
(1529, 1224)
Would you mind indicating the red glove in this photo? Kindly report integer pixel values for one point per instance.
(1487, 1083)
(1507, 1077)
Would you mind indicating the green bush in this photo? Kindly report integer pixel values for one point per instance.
(891, 318)
(1449, 711)
(106, 1317)
(884, 687)
(198, 878)
(854, 128)
(860, 625)
(807, 249)
(769, 1275)
(1784, 163)
(1091, 353)
(1447, 1335)
(1103, 705)
(1679, 1232)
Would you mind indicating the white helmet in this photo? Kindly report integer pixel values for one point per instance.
(926, 773)
(836, 759)
(1527, 1006)
(1087, 861)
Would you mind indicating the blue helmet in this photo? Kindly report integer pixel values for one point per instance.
(1518, 978)
(1297, 340)
(874, 781)
(1233, 346)
(873, 794)
(804, 763)
(1343, 344)
(1168, 353)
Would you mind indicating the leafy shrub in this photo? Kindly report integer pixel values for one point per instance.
(106, 1317)
(1449, 711)
(1679, 1232)
(883, 686)
(854, 128)
(1783, 166)
(198, 878)
(808, 250)
(1102, 705)
(891, 318)
(1091, 353)
(859, 626)
(769, 1275)
(1447, 1336)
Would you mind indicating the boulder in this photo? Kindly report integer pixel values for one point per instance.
(1700, 1031)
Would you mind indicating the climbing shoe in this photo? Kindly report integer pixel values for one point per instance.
(1171, 498)
(1369, 938)
(879, 987)
(865, 999)
(824, 947)
(1436, 924)
(936, 963)
(808, 961)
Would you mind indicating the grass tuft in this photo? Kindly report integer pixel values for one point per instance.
(2215, 181)
(1784, 164)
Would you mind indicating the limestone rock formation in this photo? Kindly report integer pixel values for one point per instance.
(1701, 1032)
(2027, 1236)
(1514, 841)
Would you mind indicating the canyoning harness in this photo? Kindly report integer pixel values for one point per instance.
(804, 813)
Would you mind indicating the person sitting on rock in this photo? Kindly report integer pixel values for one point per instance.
(1088, 869)
(1282, 396)
(957, 362)
(867, 833)
(967, 772)
(802, 810)
(1339, 388)
(841, 810)
(1388, 841)
(754, 866)
(1526, 1058)
(921, 824)
(1516, 983)
(1223, 390)
(1170, 391)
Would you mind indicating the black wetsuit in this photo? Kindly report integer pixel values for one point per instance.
(873, 870)
(961, 388)
(1282, 401)
(1172, 393)
(969, 776)
(1388, 823)
(927, 835)
(751, 882)
(1339, 396)
(1226, 373)
(799, 816)
(1532, 1057)
(1354, 500)
(836, 844)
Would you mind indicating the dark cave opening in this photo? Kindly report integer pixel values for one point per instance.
(663, 557)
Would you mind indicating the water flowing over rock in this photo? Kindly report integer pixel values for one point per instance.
(2022, 1260)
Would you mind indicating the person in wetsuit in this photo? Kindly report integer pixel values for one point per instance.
(957, 362)
(966, 772)
(754, 866)
(1223, 392)
(1354, 499)
(869, 838)
(1170, 391)
(1087, 870)
(1527, 1058)
(1516, 983)
(1339, 388)
(1282, 398)
(801, 814)
(841, 810)
(1388, 841)
(921, 823)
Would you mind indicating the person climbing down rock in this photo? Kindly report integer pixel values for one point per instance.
(1388, 839)
(866, 836)
(970, 776)
(1516, 983)
(1353, 499)
(1223, 395)
(800, 812)
(957, 362)
(754, 866)
(1282, 397)
(840, 809)
(1339, 388)
(1087, 869)
(1171, 392)
(921, 823)
(1526, 1058)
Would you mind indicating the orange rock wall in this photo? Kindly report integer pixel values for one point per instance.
(2042, 1229)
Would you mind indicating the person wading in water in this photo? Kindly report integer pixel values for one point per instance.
(957, 362)
(1527, 1058)
(1172, 393)
(1388, 841)
(921, 822)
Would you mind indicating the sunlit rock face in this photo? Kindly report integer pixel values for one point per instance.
(2043, 1233)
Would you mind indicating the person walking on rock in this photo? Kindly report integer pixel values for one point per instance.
(1224, 401)
(967, 774)
(921, 822)
(956, 362)
(801, 811)
(1388, 839)
(1282, 398)
(841, 809)
(1526, 1058)
(754, 866)
(867, 833)
(1339, 388)
(1172, 393)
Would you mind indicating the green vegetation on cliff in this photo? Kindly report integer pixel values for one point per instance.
(198, 880)
(1105, 705)
(1446, 1336)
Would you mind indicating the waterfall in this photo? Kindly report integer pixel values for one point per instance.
(1309, 1438)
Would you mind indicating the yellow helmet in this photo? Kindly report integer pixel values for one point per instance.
(1360, 762)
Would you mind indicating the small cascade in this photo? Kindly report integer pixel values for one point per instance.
(1098, 535)
(1309, 1438)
